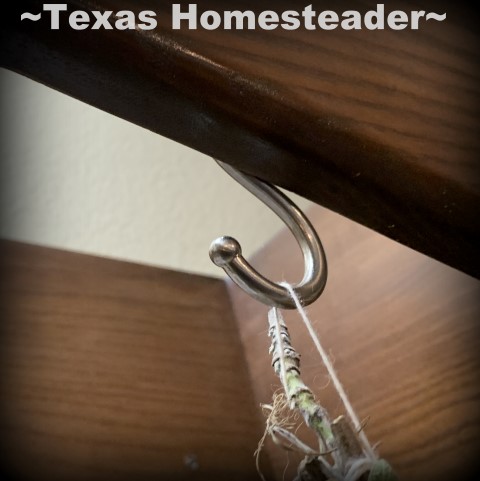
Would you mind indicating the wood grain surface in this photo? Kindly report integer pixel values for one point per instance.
(403, 333)
(380, 126)
(116, 371)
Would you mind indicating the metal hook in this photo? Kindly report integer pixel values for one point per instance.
(226, 252)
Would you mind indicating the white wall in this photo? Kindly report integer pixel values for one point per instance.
(77, 178)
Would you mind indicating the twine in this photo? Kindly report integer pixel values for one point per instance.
(367, 447)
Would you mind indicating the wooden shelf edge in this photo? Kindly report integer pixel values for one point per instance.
(162, 81)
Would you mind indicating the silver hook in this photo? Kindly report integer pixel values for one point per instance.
(226, 252)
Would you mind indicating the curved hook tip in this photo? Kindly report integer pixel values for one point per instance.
(223, 250)
(226, 252)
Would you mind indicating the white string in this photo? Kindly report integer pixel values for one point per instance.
(369, 451)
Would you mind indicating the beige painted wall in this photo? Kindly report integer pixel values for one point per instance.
(77, 178)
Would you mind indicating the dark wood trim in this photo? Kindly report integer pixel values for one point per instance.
(379, 126)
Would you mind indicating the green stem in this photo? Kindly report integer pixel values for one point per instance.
(314, 414)
(298, 393)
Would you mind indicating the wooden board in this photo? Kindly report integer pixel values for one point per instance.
(380, 126)
(116, 371)
(403, 333)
